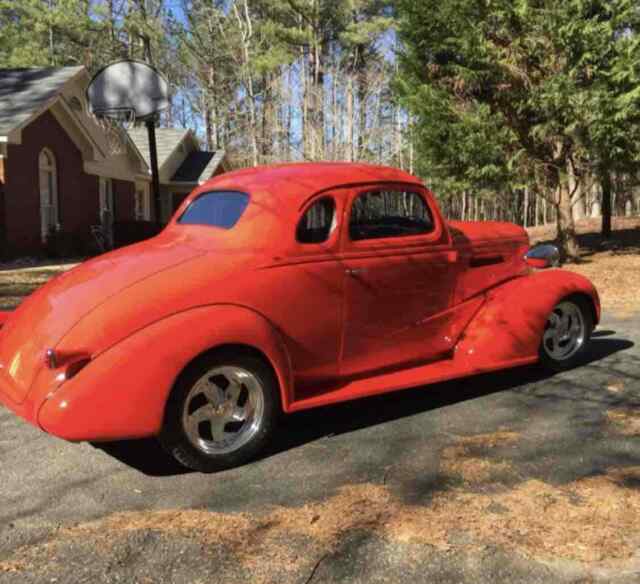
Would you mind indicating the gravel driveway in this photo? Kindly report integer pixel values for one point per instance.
(512, 477)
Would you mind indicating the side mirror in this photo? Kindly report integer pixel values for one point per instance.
(543, 256)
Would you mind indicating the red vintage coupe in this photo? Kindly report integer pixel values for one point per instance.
(279, 289)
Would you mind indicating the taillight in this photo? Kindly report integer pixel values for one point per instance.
(51, 359)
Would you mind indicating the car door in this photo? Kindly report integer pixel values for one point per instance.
(306, 291)
(400, 272)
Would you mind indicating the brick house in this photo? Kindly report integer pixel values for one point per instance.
(58, 172)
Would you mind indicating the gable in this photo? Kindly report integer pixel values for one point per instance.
(25, 93)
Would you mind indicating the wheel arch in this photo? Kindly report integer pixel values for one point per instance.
(508, 329)
(235, 349)
(253, 334)
(101, 404)
(589, 302)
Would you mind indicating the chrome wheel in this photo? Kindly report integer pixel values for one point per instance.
(565, 332)
(223, 410)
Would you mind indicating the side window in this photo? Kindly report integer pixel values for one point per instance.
(318, 222)
(379, 214)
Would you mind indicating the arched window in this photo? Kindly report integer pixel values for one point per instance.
(48, 193)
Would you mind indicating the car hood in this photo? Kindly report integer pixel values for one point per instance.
(48, 314)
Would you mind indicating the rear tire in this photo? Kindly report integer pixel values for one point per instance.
(566, 334)
(222, 412)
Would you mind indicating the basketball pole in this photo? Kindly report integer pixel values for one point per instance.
(130, 90)
(153, 154)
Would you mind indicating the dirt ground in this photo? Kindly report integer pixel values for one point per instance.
(613, 267)
(18, 280)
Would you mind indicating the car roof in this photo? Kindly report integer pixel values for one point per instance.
(301, 180)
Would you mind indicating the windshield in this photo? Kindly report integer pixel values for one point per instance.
(217, 208)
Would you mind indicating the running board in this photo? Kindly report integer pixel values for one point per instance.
(434, 372)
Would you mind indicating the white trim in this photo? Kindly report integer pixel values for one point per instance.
(76, 119)
(138, 154)
(98, 168)
(144, 189)
(49, 211)
(4, 139)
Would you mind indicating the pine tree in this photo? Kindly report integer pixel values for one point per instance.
(506, 92)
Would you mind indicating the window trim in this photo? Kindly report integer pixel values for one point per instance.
(395, 240)
(50, 169)
(333, 233)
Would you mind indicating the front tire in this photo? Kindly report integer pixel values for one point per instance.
(566, 334)
(222, 412)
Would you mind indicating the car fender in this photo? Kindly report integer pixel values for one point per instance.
(122, 392)
(507, 330)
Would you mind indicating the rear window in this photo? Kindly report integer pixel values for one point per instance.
(218, 209)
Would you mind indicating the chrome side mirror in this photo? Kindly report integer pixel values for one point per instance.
(543, 256)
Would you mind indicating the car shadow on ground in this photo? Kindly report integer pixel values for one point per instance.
(298, 429)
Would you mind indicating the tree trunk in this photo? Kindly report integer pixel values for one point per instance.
(208, 125)
(605, 178)
(334, 112)
(579, 204)
(305, 105)
(577, 200)
(349, 121)
(362, 114)
(566, 226)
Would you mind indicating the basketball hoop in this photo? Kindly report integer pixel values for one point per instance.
(121, 94)
(114, 125)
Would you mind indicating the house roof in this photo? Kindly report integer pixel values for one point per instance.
(24, 92)
(167, 140)
(198, 166)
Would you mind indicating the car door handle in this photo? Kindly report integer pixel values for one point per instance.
(355, 271)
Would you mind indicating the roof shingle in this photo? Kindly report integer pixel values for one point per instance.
(24, 91)
(198, 166)
(167, 139)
